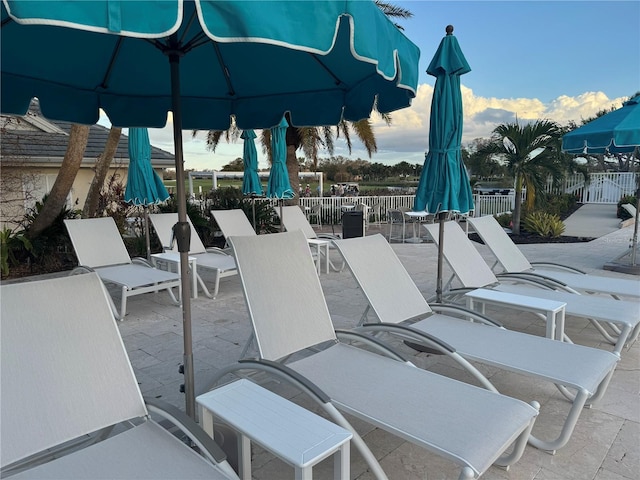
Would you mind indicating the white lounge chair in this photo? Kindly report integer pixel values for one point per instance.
(99, 247)
(232, 223)
(468, 425)
(395, 299)
(473, 272)
(512, 260)
(70, 404)
(294, 219)
(212, 259)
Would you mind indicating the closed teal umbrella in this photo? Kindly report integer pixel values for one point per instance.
(278, 185)
(444, 183)
(251, 180)
(144, 186)
(203, 60)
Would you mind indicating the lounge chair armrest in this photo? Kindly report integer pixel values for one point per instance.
(328, 236)
(217, 250)
(464, 312)
(407, 331)
(379, 345)
(559, 266)
(517, 277)
(189, 427)
(142, 261)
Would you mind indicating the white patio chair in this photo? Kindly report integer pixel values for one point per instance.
(316, 213)
(470, 269)
(465, 424)
(396, 220)
(70, 404)
(211, 259)
(100, 248)
(512, 260)
(395, 299)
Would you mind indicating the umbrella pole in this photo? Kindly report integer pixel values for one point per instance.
(253, 209)
(146, 232)
(440, 256)
(634, 242)
(183, 237)
(281, 217)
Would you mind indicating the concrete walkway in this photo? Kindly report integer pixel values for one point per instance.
(604, 446)
(592, 220)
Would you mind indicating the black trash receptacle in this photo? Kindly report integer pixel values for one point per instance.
(352, 224)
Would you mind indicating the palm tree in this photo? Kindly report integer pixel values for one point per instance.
(530, 154)
(311, 140)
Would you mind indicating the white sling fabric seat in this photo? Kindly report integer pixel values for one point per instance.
(473, 272)
(512, 260)
(212, 259)
(466, 424)
(65, 377)
(99, 247)
(394, 298)
(233, 223)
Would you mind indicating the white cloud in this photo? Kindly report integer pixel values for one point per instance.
(407, 138)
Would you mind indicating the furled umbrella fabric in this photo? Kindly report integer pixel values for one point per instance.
(444, 183)
(144, 186)
(250, 181)
(278, 185)
(203, 60)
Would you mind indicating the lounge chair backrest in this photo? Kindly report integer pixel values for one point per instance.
(273, 268)
(462, 256)
(494, 237)
(631, 209)
(295, 219)
(64, 368)
(163, 224)
(233, 222)
(97, 242)
(385, 282)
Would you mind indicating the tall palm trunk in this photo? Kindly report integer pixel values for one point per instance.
(101, 169)
(78, 137)
(517, 206)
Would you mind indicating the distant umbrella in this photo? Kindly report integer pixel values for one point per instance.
(251, 180)
(144, 186)
(444, 184)
(278, 185)
(616, 132)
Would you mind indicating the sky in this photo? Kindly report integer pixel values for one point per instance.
(552, 60)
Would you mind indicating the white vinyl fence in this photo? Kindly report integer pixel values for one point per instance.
(599, 187)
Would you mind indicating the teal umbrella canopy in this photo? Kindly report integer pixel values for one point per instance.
(144, 186)
(278, 185)
(616, 132)
(319, 60)
(250, 181)
(444, 183)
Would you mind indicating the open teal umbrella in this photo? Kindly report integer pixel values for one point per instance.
(278, 185)
(251, 185)
(203, 60)
(444, 183)
(616, 132)
(144, 186)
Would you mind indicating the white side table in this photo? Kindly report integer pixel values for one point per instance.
(320, 244)
(172, 260)
(297, 436)
(552, 309)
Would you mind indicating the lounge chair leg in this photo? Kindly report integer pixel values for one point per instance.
(520, 444)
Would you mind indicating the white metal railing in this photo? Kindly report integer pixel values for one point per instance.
(332, 207)
(599, 188)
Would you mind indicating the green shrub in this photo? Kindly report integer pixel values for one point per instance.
(555, 204)
(504, 219)
(13, 245)
(621, 212)
(544, 224)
